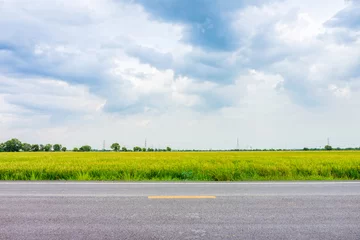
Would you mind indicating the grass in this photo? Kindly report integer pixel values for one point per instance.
(181, 166)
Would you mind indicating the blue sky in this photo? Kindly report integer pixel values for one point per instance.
(190, 73)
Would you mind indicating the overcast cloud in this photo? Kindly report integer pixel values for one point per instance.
(189, 73)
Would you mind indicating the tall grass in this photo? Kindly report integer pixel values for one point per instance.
(180, 166)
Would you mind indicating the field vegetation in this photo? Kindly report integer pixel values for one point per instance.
(181, 166)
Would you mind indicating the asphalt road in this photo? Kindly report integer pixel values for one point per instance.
(269, 210)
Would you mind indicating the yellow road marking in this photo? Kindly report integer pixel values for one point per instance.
(181, 197)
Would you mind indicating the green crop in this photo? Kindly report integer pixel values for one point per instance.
(180, 166)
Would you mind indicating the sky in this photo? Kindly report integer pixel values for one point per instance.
(190, 74)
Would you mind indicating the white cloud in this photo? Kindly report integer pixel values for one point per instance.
(49, 94)
(109, 67)
(340, 92)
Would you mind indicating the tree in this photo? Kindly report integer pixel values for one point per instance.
(75, 149)
(328, 147)
(124, 149)
(26, 147)
(168, 149)
(57, 147)
(306, 149)
(2, 147)
(13, 145)
(85, 148)
(48, 147)
(115, 147)
(35, 148)
(137, 149)
(42, 148)
(63, 149)
(143, 149)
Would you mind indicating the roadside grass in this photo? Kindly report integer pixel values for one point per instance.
(181, 166)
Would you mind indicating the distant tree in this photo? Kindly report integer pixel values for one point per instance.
(150, 149)
(35, 148)
(306, 149)
(13, 145)
(137, 149)
(26, 147)
(63, 149)
(41, 148)
(2, 147)
(75, 149)
(57, 147)
(124, 149)
(85, 148)
(143, 149)
(328, 148)
(168, 149)
(48, 147)
(115, 147)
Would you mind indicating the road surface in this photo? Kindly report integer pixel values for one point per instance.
(244, 210)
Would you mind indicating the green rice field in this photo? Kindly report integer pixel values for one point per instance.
(181, 166)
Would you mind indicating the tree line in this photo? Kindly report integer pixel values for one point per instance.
(116, 147)
(15, 145)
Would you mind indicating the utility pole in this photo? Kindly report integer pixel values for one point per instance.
(145, 143)
(237, 144)
(328, 141)
(104, 145)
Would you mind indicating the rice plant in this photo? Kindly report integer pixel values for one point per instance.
(181, 166)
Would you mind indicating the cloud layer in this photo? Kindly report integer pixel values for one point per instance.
(191, 74)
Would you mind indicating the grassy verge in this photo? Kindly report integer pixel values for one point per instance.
(174, 166)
